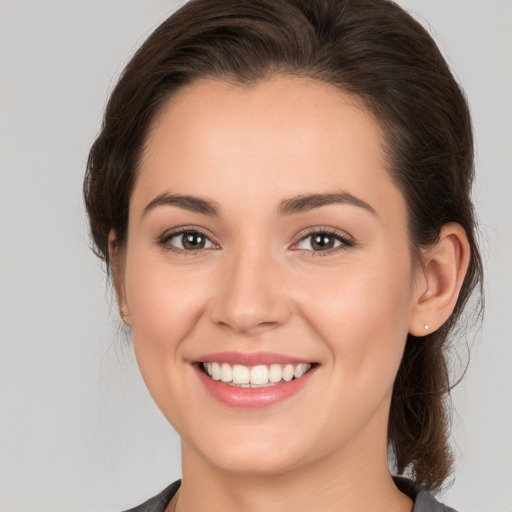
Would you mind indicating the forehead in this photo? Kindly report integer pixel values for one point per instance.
(296, 109)
(282, 136)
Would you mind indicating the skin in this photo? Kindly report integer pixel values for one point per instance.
(258, 285)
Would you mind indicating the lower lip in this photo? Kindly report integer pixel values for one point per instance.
(252, 398)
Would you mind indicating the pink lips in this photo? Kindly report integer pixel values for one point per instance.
(250, 359)
(251, 398)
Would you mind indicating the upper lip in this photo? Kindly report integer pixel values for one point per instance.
(250, 358)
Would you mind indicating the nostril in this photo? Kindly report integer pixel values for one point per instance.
(246, 320)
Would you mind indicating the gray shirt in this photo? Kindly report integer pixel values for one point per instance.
(423, 500)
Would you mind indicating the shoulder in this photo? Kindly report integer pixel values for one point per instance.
(159, 502)
(423, 500)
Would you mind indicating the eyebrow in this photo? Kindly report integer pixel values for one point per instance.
(190, 203)
(293, 205)
(305, 203)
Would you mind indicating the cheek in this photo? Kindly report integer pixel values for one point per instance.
(164, 305)
(362, 312)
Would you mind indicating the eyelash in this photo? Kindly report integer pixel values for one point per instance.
(345, 241)
(164, 240)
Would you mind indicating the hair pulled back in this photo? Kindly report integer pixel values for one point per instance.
(368, 48)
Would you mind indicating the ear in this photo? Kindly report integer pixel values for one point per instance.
(438, 283)
(116, 256)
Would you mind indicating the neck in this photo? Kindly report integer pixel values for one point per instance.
(357, 481)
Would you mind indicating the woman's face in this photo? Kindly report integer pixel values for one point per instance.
(264, 234)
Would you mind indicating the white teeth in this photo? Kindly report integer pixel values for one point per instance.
(240, 374)
(259, 374)
(215, 371)
(288, 372)
(300, 370)
(255, 376)
(226, 373)
(275, 373)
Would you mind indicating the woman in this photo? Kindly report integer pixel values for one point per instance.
(281, 193)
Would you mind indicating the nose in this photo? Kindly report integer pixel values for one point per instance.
(251, 294)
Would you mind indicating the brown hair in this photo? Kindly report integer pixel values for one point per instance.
(369, 48)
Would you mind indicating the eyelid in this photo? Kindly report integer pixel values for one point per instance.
(346, 240)
(163, 240)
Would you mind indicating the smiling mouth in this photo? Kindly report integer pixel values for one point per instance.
(258, 376)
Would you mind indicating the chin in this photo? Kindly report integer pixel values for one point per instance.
(259, 463)
(252, 453)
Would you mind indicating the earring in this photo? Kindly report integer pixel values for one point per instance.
(427, 327)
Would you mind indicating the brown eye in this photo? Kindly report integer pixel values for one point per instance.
(188, 241)
(191, 241)
(321, 241)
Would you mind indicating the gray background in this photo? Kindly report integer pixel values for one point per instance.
(78, 429)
